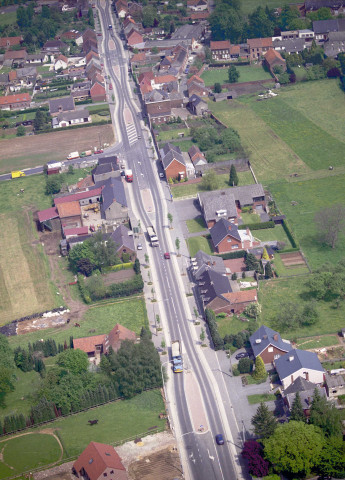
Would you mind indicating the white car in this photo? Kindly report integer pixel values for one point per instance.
(139, 246)
(161, 175)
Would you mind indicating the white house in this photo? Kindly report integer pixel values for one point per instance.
(67, 119)
(299, 363)
(61, 62)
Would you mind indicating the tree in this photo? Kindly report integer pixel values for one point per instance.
(252, 452)
(147, 259)
(80, 251)
(325, 416)
(210, 180)
(217, 88)
(284, 78)
(268, 270)
(149, 15)
(202, 335)
(297, 412)
(20, 131)
(70, 170)
(294, 448)
(75, 361)
(245, 365)
(226, 22)
(196, 314)
(260, 371)
(330, 224)
(178, 244)
(260, 24)
(233, 178)
(85, 266)
(333, 72)
(136, 266)
(233, 74)
(251, 262)
(290, 316)
(265, 255)
(263, 422)
(53, 185)
(7, 366)
(163, 344)
(170, 219)
(208, 56)
(310, 315)
(332, 460)
(253, 310)
(41, 120)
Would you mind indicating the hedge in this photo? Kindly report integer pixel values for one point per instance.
(116, 268)
(289, 234)
(257, 226)
(84, 102)
(100, 108)
(237, 254)
(288, 250)
(84, 293)
(83, 125)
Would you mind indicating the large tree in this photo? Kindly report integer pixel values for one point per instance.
(7, 367)
(210, 180)
(297, 412)
(233, 178)
(294, 448)
(226, 22)
(330, 223)
(332, 460)
(75, 361)
(233, 74)
(260, 371)
(325, 415)
(263, 422)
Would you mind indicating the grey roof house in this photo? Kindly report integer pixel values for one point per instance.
(203, 262)
(216, 205)
(268, 344)
(299, 363)
(197, 105)
(123, 240)
(114, 203)
(306, 392)
(61, 104)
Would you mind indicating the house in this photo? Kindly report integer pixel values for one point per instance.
(114, 203)
(61, 62)
(91, 54)
(92, 68)
(240, 300)
(89, 41)
(70, 214)
(196, 86)
(193, 33)
(322, 28)
(273, 59)
(15, 102)
(124, 241)
(334, 44)
(16, 56)
(121, 8)
(61, 104)
(138, 59)
(197, 5)
(68, 119)
(173, 162)
(268, 344)
(8, 42)
(258, 47)
(134, 39)
(306, 392)
(49, 219)
(36, 58)
(220, 50)
(98, 92)
(158, 82)
(23, 78)
(197, 105)
(107, 167)
(336, 6)
(75, 232)
(226, 237)
(299, 363)
(196, 156)
(97, 461)
(202, 261)
(296, 45)
(81, 90)
(53, 47)
(199, 16)
(335, 385)
(71, 35)
(212, 286)
(93, 195)
(165, 64)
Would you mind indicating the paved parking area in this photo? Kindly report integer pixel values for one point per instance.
(187, 209)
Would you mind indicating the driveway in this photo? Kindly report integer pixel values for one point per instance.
(187, 210)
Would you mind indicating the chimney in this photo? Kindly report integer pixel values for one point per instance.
(291, 358)
(275, 337)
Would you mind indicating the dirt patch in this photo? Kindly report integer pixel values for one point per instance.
(164, 465)
(291, 259)
(118, 277)
(51, 145)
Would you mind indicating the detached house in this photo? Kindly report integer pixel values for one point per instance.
(299, 363)
(67, 119)
(99, 461)
(197, 5)
(173, 162)
(61, 105)
(258, 47)
(306, 392)
(197, 105)
(124, 241)
(226, 237)
(14, 102)
(268, 344)
(8, 42)
(135, 40)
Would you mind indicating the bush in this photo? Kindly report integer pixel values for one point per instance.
(237, 254)
(118, 267)
(245, 365)
(257, 226)
(213, 327)
(86, 297)
(289, 234)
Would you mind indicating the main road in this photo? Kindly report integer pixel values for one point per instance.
(201, 457)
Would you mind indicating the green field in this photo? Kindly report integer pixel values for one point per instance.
(184, 145)
(311, 196)
(248, 73)
(247, 6)
(21, 399)
(165, 136)
(130, 313)
(260, 397)
(276, 233)
(319, 342)
(199, 243)
(250, 218)
(283, 271)
(230, 325)
(8, 18)
(274, 293)
(196, 225)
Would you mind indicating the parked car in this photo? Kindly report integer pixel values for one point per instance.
(167, 256)
(139, 246)
(161, 175)
(242, 355)
(219, 439)
(99, 151)
(110, 87)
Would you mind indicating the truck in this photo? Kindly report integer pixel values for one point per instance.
(53, 167)
(152, 236)
(176, 354)
(73, 155)
(87, 153)
(17, 174)
(129, 176)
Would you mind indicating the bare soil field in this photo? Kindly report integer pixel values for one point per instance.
(290, 259)
(22, 152)
(164, 465)
(118, 277)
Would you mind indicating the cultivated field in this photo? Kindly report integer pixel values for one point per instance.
(50, 146)
(248, 73)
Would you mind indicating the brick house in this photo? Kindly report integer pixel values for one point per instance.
(268, 344)
(226, 237)
(221, 50)
(299, 363)
(17, 101)
(134, 39)
(240, 300)
(173, 162)
(8, 42)
(258, 47)
(196, 156)
(272, 58)
(98, 92)
(99, 461)
(70, 214)
(124, 241)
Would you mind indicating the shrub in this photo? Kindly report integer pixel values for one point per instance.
(257, 226)
(245, 365)
(118, 267)
(289, 234)
(213, 327)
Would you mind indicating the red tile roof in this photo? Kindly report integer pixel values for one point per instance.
(5, 41)
(96, 458)
(68, 209)
(88, 344)
(85, 182)
(199, 15)
(146, 76)
(235, 49)
(117, 335)
(78, 196)
(242, 296)
(16, 98)
(138, 57)
(222, 45)
(12, 75)
(273, 55)
(196, 79)
(97, 89)
(134, 38)
(47, 214)
(164, 79)
(260, 42)
(15, 54)
(74, 232)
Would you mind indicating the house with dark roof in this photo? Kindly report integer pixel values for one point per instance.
(189, 32)
(123, 240)
(226, 237)
(299, 363)
(322, 28)
(61, 105)
(68, 119)
(336, 6)
(196, 156)
(335, 384)
(107, 167)
(268, 344)
(202, 261)
(173, 162)
(197, 105)
(53, 47)
(99, 461)
(16, 56)
(114, 203)
(306, 392)
(212, 286)
(334, 44)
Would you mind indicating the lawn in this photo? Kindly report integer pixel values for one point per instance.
(196, 225)
(260, 397)
(248, 6)
(311, 196)
(300, 72)
(248, 73)
(270, 156)
(131, 313)
(8, 19)
(318, 342)
(199, 243)
(283, 271)
(230, 325)
(20, 400)
(184, 145)
(165, 136)
(184, 190)
(274, 293)
(270, 234)
(250, 218)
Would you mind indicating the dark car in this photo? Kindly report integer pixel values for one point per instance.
(242, 355)
(219, 439)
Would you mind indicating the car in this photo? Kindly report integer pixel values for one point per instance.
(99, 151)
(139, 136)
(242, 355)
(99, 34)
(110, 87)
(167, 256)
(219, 439)
(161, 175)
(139, 246)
